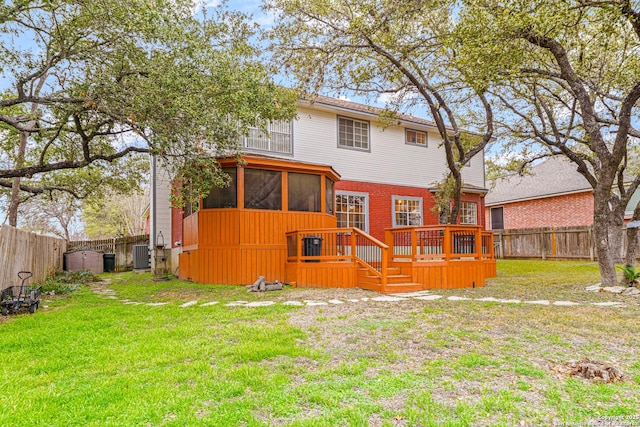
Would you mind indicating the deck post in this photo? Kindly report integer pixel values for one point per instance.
(353, 244)
(446, 243)
(414, 244)
(298, 248)
(478, 243)
(383, 270)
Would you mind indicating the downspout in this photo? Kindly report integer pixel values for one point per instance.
(153, 228)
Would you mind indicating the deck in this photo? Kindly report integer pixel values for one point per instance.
(410, 259)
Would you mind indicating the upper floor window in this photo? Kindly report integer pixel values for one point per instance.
(277, 140)
(469, 213)
(407, 211)
(415, 137)
(353, 133)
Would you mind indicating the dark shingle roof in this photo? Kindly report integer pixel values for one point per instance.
(556, 175)
(365, 109)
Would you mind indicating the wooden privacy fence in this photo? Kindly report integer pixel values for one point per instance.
(21, 250)
(547, 243)
(121, 246)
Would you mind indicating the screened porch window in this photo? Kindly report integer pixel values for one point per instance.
(304, 192)
(330, 195)
(262, 189)
(276, 140)
(352, 210)
(226, 197)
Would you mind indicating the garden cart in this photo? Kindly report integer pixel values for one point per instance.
(14, 298)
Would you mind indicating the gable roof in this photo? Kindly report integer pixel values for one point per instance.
(341, 104)
(553, 177)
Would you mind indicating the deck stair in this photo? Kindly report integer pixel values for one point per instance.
(396, 282)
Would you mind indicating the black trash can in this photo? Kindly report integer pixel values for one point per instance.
(109, 262)
(311, 246)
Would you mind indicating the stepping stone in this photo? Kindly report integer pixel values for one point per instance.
(593, 288)
(614, 289)
(293, 303)
(455, 298)
(509, 301)
(488, 299)
(206, 304)
(236, 303)
(111, 297)
(388, 299)
(313, 303)
(260, 304)
(188, 304)
(412, 294)
(429, 297)
(539, 302)
(336, 301)
(364, 299)
(353, 300)
(566, 303)
(132, 303)
(156, 304)
(608, 304)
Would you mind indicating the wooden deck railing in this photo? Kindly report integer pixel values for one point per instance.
(439, 243)
(338, 244)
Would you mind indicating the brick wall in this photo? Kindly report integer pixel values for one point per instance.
(558, 211)
(380, 203)
(379, 206)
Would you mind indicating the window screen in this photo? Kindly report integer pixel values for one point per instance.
(224, 197)
(262, 189)
(304, 192)
(497, 218)
(330, 197)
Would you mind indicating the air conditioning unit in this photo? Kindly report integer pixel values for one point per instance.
(141, 257)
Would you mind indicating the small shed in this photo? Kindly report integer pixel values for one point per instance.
(84, 259)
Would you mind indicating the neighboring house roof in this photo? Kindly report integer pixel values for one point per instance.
(342, 104)
(553, 177)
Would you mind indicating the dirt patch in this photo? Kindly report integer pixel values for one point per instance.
(591, 370)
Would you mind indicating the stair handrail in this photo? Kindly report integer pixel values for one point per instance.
(384, 250)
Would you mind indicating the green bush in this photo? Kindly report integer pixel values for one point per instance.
(64, 282)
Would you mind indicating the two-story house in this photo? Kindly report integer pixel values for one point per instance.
(369, 176)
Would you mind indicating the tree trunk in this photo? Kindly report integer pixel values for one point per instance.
(14, 202)
(457, 193)
(632, 239)
(605, 261)
(616, 234)
(601, 224)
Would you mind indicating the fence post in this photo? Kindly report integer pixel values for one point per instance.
(542, 251)
(591, 251)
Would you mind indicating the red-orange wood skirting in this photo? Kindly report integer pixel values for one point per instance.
(237, 245)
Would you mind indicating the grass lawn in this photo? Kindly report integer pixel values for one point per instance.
(87, 360)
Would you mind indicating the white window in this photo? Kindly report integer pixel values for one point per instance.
(415, 137)
(407, 211)
(277, 140)
(469, 213)
(352, 210)
(353, 133)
